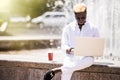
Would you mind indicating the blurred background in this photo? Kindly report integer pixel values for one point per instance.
(47, 18)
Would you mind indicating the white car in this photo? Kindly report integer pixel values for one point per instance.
(51, 19)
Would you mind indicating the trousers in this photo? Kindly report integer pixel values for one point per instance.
(72, 63)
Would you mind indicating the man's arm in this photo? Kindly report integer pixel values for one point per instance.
(65, 42)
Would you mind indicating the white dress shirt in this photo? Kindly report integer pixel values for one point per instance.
(72, 30)
(72, 63)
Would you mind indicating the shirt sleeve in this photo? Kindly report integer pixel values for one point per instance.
(96, 32)
(65, 39)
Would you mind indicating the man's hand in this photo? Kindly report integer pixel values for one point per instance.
(70, 51)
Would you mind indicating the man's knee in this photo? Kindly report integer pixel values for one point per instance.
(66, 70)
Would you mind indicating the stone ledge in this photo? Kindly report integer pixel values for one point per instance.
(32, 65)
(36, 65)
(19, 70)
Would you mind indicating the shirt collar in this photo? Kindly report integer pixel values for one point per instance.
(75, 25)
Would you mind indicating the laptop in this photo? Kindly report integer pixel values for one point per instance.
(89, 46)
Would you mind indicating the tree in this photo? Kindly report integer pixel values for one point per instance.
(33, 8)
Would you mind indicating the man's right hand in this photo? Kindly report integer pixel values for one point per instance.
(70, 51)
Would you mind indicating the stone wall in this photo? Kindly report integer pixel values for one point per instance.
(17, 70)
(28, 44)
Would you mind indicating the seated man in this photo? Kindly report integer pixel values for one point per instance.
(82, 28)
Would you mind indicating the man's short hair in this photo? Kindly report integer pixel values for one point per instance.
(80, 8)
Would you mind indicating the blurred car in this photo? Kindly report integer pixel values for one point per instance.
(51, 19)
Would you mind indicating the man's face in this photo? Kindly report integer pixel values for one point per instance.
(80, 17)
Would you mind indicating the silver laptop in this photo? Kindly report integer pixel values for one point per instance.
(87, 46)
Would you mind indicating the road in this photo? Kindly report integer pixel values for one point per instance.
(19, 29)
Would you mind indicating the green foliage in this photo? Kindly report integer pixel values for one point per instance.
(33, 8)
(4, 16)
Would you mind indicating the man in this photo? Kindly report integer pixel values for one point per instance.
(82, 28)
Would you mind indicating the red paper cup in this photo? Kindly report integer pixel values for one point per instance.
(50, 56)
